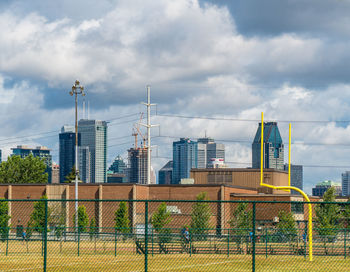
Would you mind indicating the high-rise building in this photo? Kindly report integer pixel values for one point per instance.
(201, 155)
(93, 134)
(273, 147)
(41, 152)
(115, 177)
(322, 187)
(296, 177)
(117, 171)
(345, 182)
(185, 157)
(137, 168)
(0, 156)
(84, 162)
(212, 151)
(165, 174)
(188, 154)
(118, 165)
(67, 151)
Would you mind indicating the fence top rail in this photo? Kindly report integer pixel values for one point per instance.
(173, 201)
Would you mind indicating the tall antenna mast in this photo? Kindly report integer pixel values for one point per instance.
(83, 108)
(148, 126)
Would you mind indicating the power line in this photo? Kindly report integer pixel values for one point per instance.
(121, 117)
(37, 135)
(124, 122)
(130, 142)
(249, 120)
(250, 141)
(121, 137)
(27, 136)
(249, 163)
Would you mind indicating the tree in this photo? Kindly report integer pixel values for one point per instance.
(83, 219)
(159, 220)
(71, 176)
(346, 214)
(23, 170)
(200, 216)
(327, 218)
(4, 219)
(241, 222)
(286, 225)
(37, 218)
(93, 229)
(122, 222)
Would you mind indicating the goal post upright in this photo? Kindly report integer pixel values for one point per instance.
(289, 187)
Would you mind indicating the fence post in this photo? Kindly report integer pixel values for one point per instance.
(45, 236)
(190, 243)
(266, 242)
(345, 243)
(7, 244)
(305, 235)
(78, 241)
(152, 242)
(146, 235)
(253, 240)
(115, 242)
(228, 243)
(42, 241)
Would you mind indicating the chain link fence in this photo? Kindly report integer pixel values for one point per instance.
(169, 235)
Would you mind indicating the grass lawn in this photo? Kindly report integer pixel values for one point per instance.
(100, 256)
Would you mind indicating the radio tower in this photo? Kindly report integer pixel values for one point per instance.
(148, 126)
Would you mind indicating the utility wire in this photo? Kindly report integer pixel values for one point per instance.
(250, 141)
(57, 131)
(249, 163)
(124, 116)
(249, 120)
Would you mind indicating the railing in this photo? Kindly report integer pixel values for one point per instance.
(168, 235)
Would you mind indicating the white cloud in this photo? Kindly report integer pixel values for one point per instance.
(197, 63)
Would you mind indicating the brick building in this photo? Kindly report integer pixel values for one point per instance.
(101, 202)
(241, 177)
(104, 211)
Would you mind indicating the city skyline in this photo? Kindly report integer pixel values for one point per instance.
(293, 66)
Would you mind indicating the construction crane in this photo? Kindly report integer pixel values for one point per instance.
(136, 131)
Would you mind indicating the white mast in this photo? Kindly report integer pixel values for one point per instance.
(148, 126)
(83, 108)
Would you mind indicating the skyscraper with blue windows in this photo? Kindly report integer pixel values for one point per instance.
(273, 147)
(185, 157)
(345, 179)
(67, 150)
(93, 134)
(296, 177)
(118, 165)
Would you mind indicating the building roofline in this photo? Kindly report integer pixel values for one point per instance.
(236, 170)
(128, 184)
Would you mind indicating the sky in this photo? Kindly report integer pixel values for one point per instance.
(226, 60)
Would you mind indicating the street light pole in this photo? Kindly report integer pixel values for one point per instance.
(76, 89)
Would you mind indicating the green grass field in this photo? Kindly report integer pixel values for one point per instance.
(100, 256)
